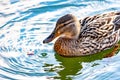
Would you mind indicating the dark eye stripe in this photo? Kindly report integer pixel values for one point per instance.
(64, 24)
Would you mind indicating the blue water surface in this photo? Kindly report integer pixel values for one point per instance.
(23, 26)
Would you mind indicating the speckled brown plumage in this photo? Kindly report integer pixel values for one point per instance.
(85, 36)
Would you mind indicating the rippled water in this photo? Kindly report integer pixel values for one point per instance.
(23, 26)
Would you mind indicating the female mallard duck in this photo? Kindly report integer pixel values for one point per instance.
(86, 36)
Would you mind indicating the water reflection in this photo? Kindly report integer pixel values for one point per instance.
(73, 65)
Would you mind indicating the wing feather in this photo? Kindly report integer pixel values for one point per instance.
(98, 28)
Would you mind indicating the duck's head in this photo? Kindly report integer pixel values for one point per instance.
(67, 26)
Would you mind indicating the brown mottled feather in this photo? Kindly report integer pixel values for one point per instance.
(94, 34)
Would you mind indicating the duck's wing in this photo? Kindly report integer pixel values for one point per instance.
(93, 46)
(103, 26)
(89, 19)
(100, 33)
(98, 28)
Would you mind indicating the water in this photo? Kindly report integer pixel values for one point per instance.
(23, 26)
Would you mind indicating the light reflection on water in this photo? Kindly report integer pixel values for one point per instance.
(24, 25)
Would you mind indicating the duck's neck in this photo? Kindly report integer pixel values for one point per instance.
(69, 47)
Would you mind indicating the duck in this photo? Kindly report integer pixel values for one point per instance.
(82, 37)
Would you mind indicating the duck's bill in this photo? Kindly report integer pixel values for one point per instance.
(49, 38)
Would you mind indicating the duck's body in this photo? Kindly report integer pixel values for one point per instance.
(86, 36)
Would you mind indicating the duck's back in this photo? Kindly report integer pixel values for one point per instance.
(102, 30)
(100, 25)
(89, 19)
